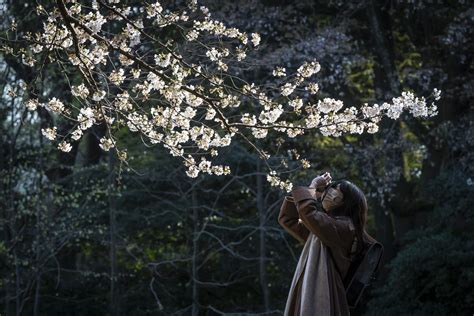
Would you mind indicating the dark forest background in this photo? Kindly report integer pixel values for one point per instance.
(80, 235)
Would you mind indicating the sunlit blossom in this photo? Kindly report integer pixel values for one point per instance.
(106, 143)
(64, 146)
(192, 105)
(255, 39)
(49, 133)
(279, 72)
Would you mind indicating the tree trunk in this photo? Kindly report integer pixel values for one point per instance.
(114, 297)
(38, 236)
(194, 272)
(262, 247)
(386, 80)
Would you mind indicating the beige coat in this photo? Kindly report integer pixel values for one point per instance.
(317, 287)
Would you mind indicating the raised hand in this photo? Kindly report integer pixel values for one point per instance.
(321, 180)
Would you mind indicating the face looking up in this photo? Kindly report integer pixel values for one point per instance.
(332, 198)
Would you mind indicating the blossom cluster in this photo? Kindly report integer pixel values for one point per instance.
(190, 106)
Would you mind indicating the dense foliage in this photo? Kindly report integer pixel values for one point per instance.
(433, 274)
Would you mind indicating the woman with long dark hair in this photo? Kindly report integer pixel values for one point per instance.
(330, 218)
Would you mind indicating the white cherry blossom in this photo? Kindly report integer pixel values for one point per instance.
(64, 146)
(49, 133)
(187, 103)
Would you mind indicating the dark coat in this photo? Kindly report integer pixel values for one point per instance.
(317, 287)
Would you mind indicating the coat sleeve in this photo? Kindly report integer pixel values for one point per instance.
(332, 232)
(289, 220)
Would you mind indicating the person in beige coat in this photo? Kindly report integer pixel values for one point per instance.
(327, 217)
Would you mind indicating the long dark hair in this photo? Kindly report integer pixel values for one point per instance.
(355, 207)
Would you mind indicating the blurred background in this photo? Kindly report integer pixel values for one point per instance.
(83, 235)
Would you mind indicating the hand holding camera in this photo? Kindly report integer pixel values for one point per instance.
(321, 181)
